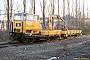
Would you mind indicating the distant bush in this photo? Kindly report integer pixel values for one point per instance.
(4, 35)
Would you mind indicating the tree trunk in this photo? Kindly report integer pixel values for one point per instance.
(58, 7)
(43, 14)
(63, 8)
(24, 4)
(8, 14)
(34, 7)
(53, 7)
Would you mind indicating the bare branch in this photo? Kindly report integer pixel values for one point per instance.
(41, 7)
(45, 2)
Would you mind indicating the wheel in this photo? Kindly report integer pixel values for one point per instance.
(20, 40)
(47, 39)
(31, 40)
(51, 38)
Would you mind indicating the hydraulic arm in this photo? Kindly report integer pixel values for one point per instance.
(51, 21)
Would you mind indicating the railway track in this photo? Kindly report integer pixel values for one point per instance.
(12, 44)
(3, 45)
(8, 44)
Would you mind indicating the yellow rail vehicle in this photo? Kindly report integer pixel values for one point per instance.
(26, 27)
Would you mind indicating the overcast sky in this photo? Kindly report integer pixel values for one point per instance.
(18, 6)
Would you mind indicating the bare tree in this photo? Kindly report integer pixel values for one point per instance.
(83, 9)
(8, 14)
(64, 8)
(43, 5)
(79, 15)
(24, 4)
(58, 7)
(34, 6)
(68, 2)
(76, 9)
(87, 12)
(68, 7)
(44, 13)
(11, 9)
(53, 7)
(72, 8)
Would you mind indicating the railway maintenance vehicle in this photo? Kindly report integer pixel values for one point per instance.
(27, 28)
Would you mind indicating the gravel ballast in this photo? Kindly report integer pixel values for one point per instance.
(59, 50)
